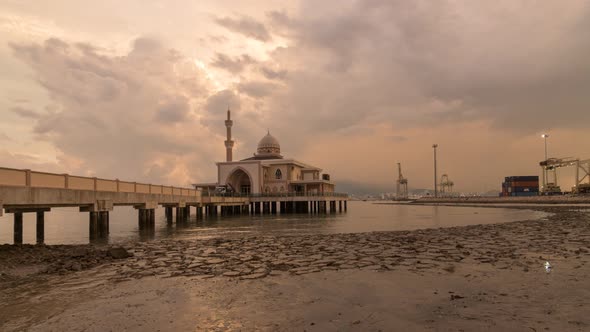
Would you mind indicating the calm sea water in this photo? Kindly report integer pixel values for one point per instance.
(68, 226)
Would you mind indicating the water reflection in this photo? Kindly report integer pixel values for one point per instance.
(68, 226)
(436, 216)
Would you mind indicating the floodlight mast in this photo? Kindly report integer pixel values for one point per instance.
(434, 146)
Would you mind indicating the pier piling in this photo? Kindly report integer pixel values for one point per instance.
(93, 225)
(169, 214)
(40, 230)
(18, 228)
(257, 207)
(102, 224)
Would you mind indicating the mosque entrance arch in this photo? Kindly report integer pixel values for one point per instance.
(240, 181)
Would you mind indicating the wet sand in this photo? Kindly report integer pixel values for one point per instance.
(482, 277)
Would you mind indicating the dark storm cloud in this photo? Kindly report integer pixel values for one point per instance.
(246, 26)
(257, 89)
(234, 65)
(121, 107)
(144, 45)
(521, 65)
(4, 137)
(273, 74)
(218, 39)
(93, 75)
(221, 101)
(172, 111)
(25, 112)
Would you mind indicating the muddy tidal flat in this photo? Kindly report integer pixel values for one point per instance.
(481, 277)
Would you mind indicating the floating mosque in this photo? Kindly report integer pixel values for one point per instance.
(267, 171)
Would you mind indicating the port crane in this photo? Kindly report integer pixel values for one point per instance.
(401, 184)
(550, 166)
(446, 185)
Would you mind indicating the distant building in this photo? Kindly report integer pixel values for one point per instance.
(267, 171)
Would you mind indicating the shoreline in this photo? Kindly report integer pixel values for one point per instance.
(539, 206)
(557, 200)
(482, 255)
(19, 262)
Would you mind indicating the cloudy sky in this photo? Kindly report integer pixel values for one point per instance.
(138, 89)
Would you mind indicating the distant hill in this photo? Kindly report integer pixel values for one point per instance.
(361, 189)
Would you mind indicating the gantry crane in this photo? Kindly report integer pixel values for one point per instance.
(402, 184)
(550, 166)
(446, 185)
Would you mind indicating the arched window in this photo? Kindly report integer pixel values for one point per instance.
(278, 174)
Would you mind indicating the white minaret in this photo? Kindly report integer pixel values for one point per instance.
(229, 144)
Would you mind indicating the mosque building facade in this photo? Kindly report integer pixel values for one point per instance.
(267, 171)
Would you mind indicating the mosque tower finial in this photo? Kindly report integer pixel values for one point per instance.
(229, 144)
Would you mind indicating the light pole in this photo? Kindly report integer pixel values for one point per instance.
(434, 146)
(545, 137)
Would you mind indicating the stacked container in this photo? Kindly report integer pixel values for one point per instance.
(520, 186)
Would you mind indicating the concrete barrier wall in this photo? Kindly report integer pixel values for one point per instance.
(156, 189)
(106, 185)
(80, 183)
(12, 177)
(126, 187)
(18, 178)
(142, 188)
(46, 180)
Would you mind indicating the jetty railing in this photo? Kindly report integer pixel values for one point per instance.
(28, 178)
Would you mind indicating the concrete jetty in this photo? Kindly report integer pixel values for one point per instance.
(27, 191)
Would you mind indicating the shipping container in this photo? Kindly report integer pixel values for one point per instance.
(524, 184)
(522, 178)
(524, 189)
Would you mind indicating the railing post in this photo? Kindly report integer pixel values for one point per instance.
(28, 177)
(66, 181)
(150, 188)
(134, 187)
(117, 181)
(95, 183)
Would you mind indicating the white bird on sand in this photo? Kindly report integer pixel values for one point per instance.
(547, 267)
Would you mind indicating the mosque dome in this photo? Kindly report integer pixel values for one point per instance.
(269, 145)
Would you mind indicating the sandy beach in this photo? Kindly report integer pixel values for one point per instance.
(481, 277)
